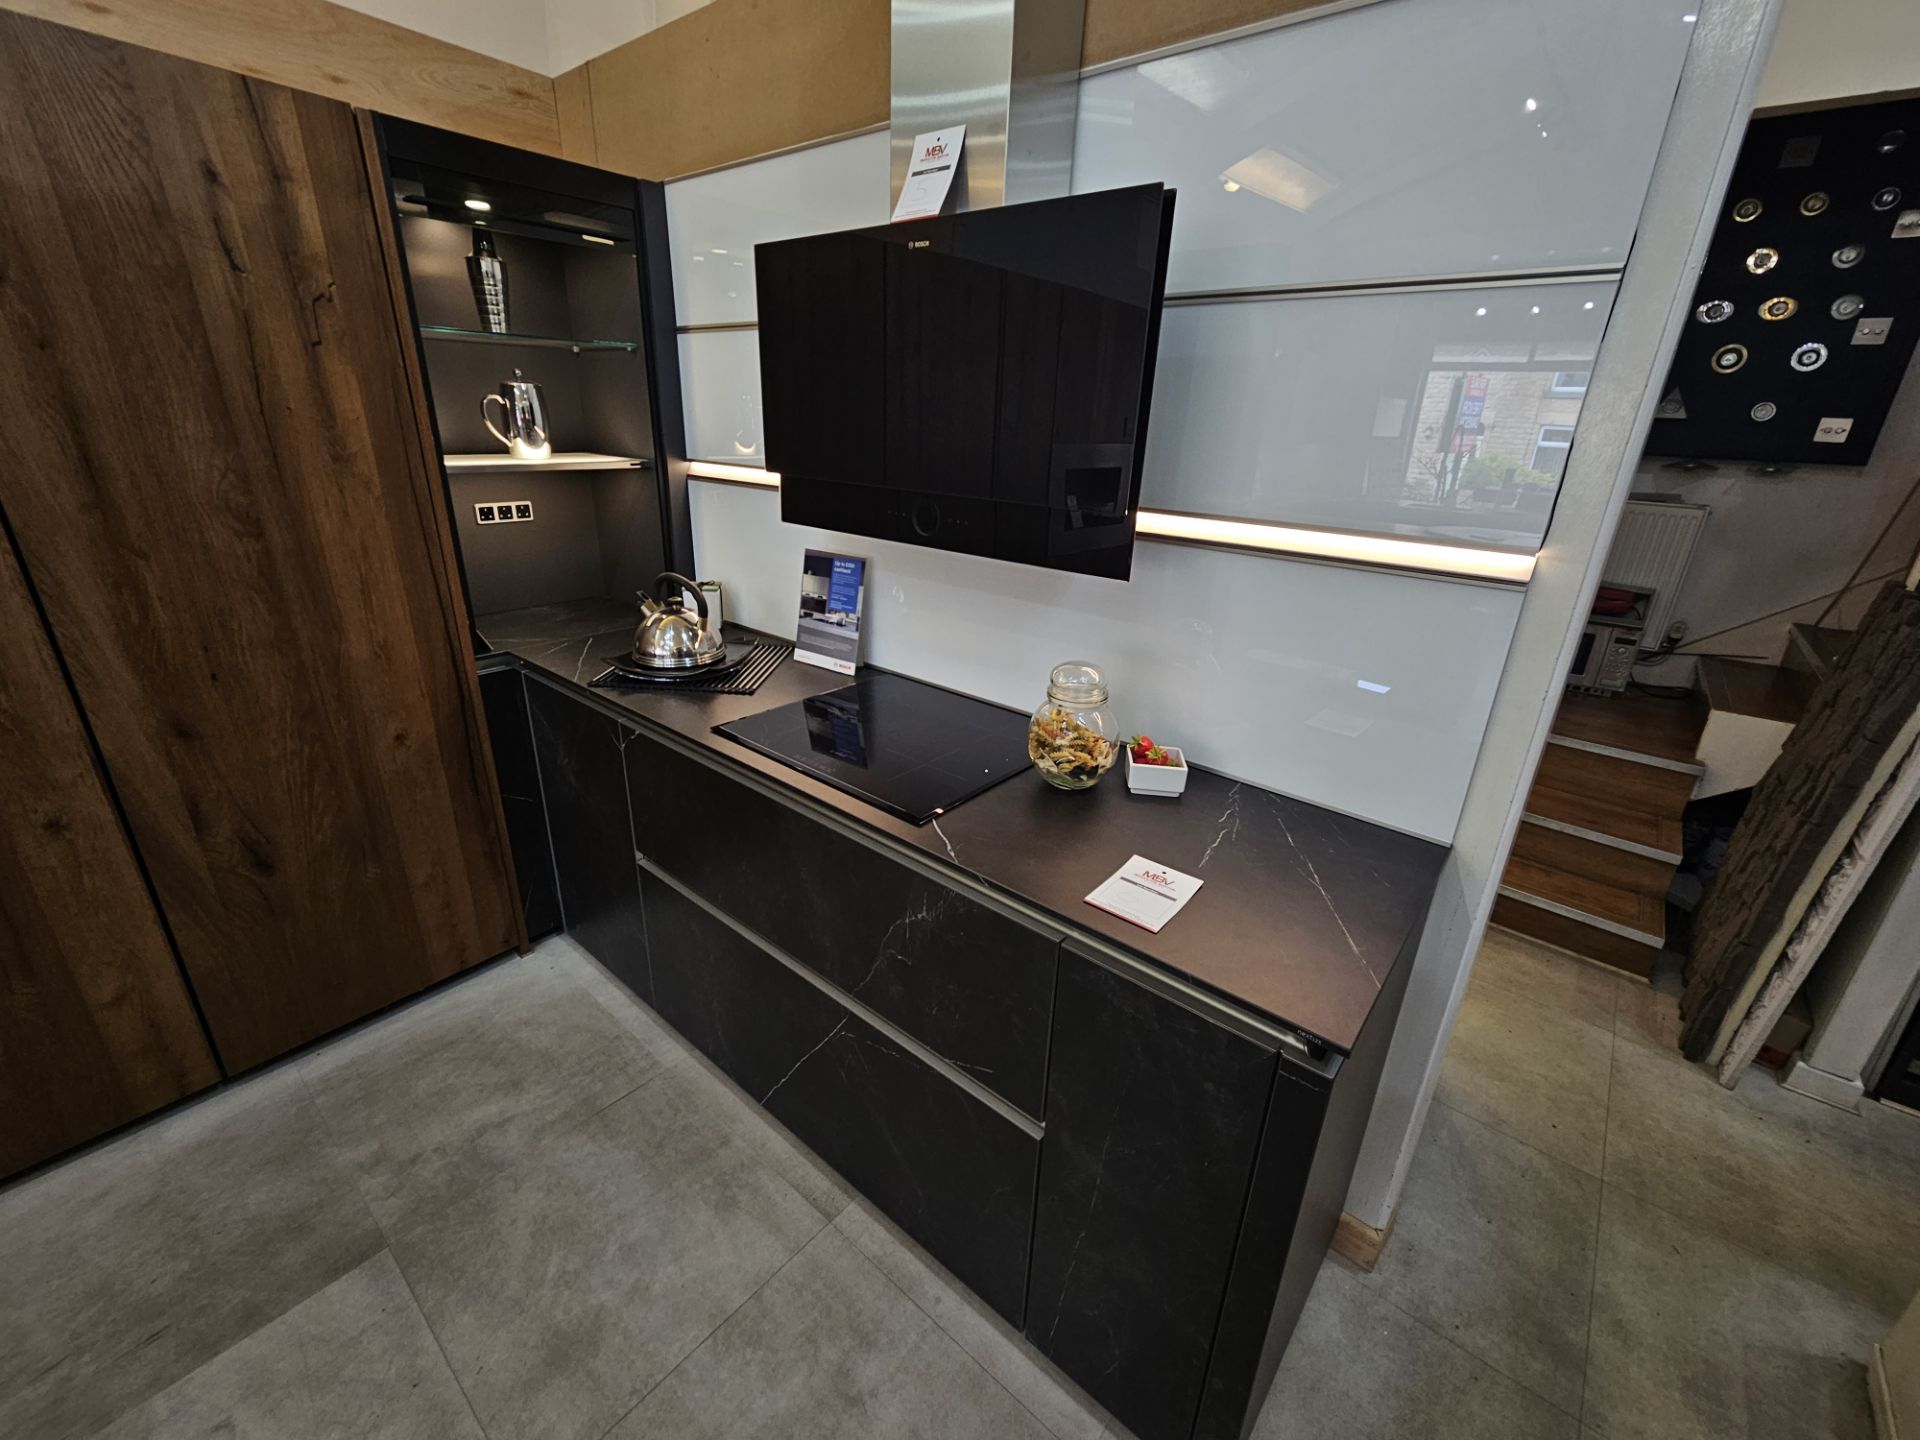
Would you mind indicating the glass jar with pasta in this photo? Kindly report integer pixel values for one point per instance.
(1073, 738)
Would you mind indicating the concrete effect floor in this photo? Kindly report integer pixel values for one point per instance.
(520, 1208)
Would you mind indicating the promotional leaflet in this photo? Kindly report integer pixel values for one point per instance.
(1145, 893)
(831, 590)
(936, 155)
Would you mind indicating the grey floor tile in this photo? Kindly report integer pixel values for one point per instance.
(830, 1348)
(1360, 1369)
(431, 1102)
(1002, 1353)
(1802, 1183)
(1531, 1070)
(1493, 1247)
(567, 1287)
(1521, 966)
(134, 1264)
(1695, 1338)
(355, 1360)
(796, 1163)
(621, 1003)
(1650, 1013)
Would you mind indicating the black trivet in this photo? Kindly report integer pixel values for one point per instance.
(765, 658)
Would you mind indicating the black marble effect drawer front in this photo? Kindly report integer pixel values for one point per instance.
(1153, 1119)
(972, 983)
(950, 1171)
(502, 693)
(583, 777)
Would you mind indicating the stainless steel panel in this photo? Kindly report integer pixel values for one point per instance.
(1006, 69)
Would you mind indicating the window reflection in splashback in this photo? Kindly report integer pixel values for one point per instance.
(1439, 414)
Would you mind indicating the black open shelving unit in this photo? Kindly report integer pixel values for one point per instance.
(591, 316)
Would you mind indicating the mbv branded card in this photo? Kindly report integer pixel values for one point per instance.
(1145, 893)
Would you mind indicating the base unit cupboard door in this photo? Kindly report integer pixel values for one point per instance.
(504, 694)
(951, 1170)
(582, 757)
(96, 1028)
(1154, 1117)
(971, 982)
(223, 495)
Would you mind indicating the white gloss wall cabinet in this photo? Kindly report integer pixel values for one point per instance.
(1439, 414)
(1416, 137)
(720, 393)
(715, 220)
(1363, 691)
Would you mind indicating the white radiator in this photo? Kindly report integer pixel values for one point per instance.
(1651, 551)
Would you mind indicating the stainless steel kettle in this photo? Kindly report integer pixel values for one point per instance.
(668, 638)
(525, 413)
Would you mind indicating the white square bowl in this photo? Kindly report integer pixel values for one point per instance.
(1158, 779)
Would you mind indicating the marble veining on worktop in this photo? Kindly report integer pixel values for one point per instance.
(1304, 912)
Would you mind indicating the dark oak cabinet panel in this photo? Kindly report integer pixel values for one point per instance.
(503, 692)
(95, 1025)
(973, 983)
(583, 776)
(221, 492)
(951, 1172)
(1154, 1116)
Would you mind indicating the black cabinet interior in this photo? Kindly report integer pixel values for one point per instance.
(587, 321)
(583, 777)
(1154, 1116)
(973, 983)
(503, 694)
(944, 1165)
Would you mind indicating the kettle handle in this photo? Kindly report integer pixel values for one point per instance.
(699, 600)
(487, 419)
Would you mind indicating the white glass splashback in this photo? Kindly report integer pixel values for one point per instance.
(1413, 137)
(1364, 691)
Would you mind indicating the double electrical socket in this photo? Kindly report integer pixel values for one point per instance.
(502, 512)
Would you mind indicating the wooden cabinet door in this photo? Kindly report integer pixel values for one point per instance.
(219, 487)
(95, 1025)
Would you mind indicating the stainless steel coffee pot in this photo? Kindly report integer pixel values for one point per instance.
(525, 414)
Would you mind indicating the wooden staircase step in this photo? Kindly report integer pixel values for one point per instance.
(1636, 911)
(1568, 933)
(1625, 783)
(1765, 692)
(1559, 850)
(1649, 830)
(1660, 727)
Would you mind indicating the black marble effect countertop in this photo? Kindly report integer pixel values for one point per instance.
(1303, 913)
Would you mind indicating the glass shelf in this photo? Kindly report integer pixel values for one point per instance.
(548, 342)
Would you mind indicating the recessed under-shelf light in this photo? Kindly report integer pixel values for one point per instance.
(1420, 556)
(596, 239)
(481, 205)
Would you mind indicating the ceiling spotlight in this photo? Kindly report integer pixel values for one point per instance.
(1231, 185)
(481, 205)
(1481, 311)
(1587, 306)
(1532, 104)
(1688, 19)
(1536, 309)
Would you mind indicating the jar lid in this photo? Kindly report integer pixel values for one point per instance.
(1077, 682)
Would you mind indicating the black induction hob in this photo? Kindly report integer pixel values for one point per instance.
(914, 750)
